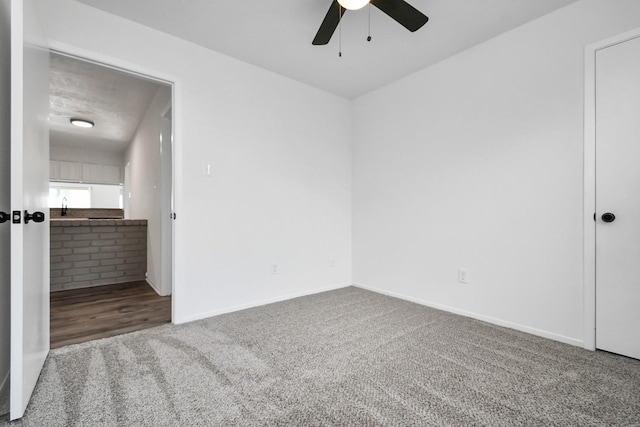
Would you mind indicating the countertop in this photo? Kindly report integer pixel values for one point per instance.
(76, 222)
(91, 213)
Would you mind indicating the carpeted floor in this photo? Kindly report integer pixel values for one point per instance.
(344, 358)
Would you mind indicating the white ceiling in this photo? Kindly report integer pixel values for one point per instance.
(115, 101)
(276, 35)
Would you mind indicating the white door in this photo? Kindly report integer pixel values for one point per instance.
(5, 199)
(29, 193)
(618, 193)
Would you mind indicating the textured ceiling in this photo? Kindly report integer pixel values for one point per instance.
(115, 101)
(276, 35)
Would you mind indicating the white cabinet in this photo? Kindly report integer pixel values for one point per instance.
(53, 170)
(111, 174)
(69, 171)
(91, 172)
(61, 170)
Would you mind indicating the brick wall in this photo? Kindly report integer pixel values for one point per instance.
(87, 253)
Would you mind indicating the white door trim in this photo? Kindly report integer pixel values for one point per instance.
(589, 196)
(176, 120)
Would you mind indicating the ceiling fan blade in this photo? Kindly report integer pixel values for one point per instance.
(329, 24)
(402, 12)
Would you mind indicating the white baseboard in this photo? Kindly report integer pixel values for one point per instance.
(253, 304)
(488, 319)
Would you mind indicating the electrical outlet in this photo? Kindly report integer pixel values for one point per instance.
(274, 268)
(463, 275)
(332, 262)
(206, 169)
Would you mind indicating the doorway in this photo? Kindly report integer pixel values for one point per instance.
(612, 207)
(108, 262)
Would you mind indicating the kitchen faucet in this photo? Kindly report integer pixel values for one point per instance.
(63, 211)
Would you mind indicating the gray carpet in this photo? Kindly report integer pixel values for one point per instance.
(344, 358)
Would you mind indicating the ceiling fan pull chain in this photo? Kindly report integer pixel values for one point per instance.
(340, 29)
(369, 36)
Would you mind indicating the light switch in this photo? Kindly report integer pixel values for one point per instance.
(463, 275)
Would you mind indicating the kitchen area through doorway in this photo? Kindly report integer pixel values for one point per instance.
(110, 231)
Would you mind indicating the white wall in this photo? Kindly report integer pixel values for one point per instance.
(5, 137)
(476, 162)
(280, 150)
(143, 154)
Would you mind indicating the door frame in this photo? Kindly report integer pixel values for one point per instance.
(176, 122)
(589, 196)
(167, 114)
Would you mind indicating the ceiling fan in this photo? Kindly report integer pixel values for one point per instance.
(399, 10)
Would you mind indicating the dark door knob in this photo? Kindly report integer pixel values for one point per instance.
(608, 217)
(4, 217)
(35, 217)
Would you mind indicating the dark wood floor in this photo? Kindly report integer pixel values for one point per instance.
(87, 314)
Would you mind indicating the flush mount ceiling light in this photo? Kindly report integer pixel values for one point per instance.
(82, 123)
(353, 4)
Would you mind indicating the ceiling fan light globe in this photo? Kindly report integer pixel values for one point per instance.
(353, 4)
